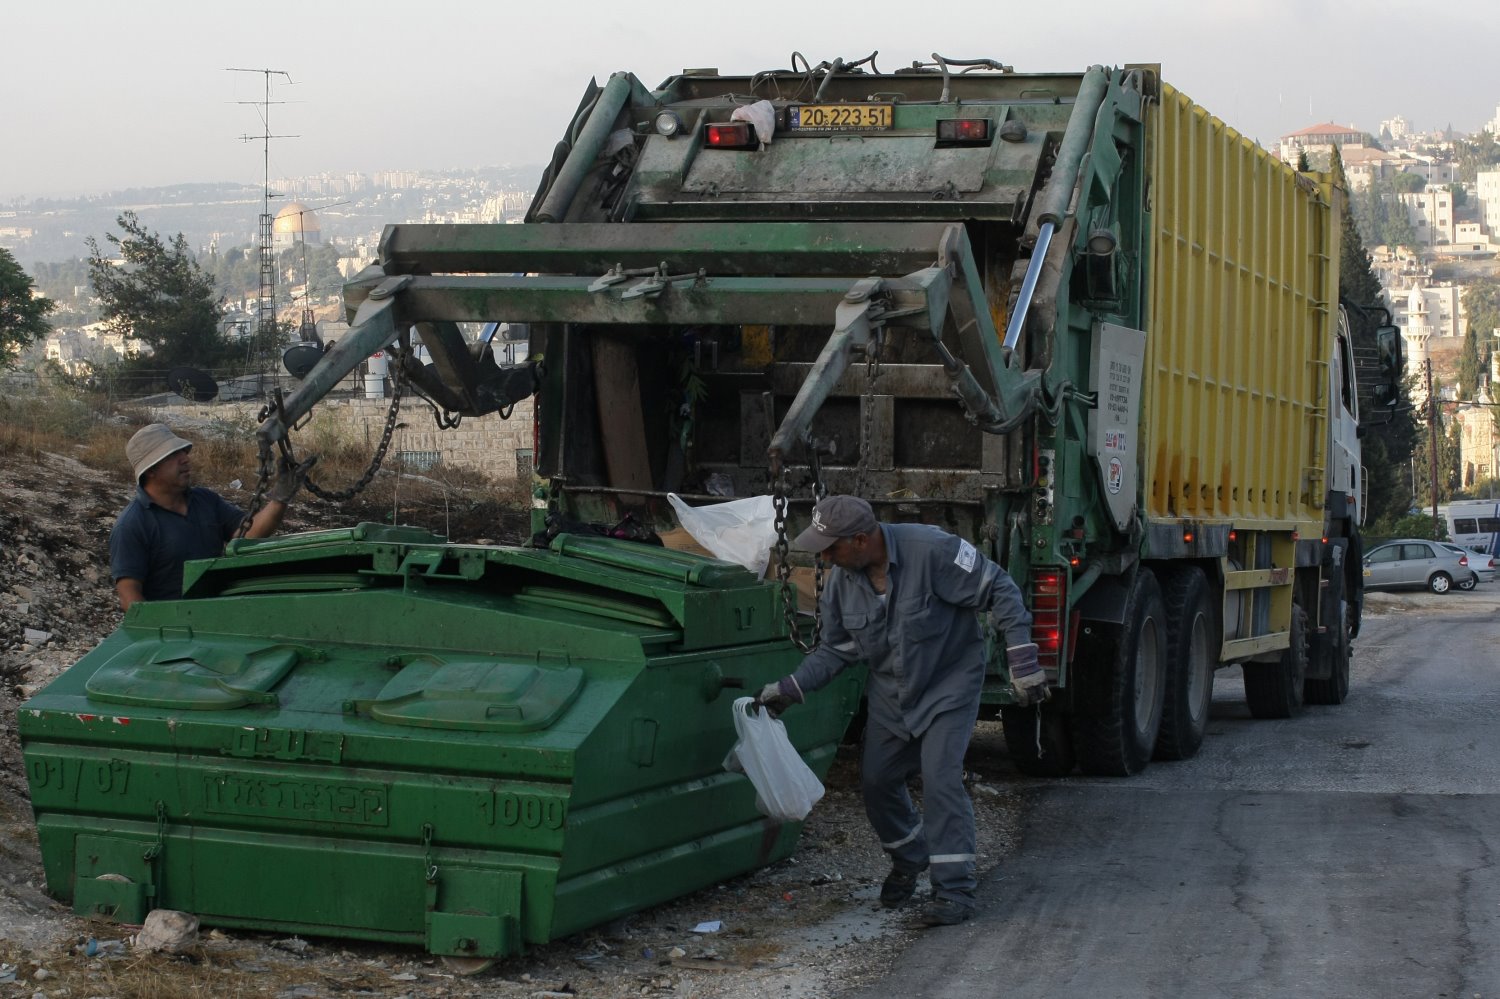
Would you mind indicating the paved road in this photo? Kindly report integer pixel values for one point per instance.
(1347, 853)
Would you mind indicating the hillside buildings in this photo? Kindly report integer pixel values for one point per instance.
(1454, 231)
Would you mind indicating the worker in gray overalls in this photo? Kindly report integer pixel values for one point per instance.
(903, 598)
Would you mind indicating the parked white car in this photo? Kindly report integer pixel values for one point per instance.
(1483, 566)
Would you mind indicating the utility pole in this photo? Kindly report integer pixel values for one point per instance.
(1432, 425)
(265, 320)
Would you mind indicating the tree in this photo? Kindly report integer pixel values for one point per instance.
(1381, 213)
(1407, 182)
(1474, 155)
(1390, 432)
(158, 297)
(1481, 304)
(23, 313)
(236, 272)
(1449, 461)
(1469, 365)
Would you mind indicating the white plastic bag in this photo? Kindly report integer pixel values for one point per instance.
(741, 531)
(786, 789)
(761, 114)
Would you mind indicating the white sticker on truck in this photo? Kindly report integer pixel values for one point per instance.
(1116, 475)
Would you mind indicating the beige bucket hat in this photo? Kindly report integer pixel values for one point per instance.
(150, 445)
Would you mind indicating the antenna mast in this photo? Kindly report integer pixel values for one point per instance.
(265, 325)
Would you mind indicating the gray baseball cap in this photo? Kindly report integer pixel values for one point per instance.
(150, 445)
(837, 517)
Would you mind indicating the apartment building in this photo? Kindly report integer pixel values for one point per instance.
(1431, 215)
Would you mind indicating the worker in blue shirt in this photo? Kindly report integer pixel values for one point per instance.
(170, 520)
(903, 598)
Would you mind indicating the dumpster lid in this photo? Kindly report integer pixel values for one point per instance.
(193, 674)
(480, 695)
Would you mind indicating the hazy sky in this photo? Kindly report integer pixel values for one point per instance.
(105, 95)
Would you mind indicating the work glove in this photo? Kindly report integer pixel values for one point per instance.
(1028, 681)
(289, 478)
(778, 695)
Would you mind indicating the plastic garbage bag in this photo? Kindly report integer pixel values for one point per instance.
(762, 115)
(786, 789)
(740, 531)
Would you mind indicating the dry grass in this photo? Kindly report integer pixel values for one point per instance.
(64, 421)
(461, 503)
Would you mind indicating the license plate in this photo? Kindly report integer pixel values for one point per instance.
(839, 117)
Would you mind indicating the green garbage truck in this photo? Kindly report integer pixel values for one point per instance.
(1071, 317)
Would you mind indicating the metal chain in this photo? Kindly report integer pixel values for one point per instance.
(397, 385)
(783, 550)
(263, 477)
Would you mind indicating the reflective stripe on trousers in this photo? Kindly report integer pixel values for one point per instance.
(943, 836)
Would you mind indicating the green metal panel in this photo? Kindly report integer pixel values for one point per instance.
(826, 249)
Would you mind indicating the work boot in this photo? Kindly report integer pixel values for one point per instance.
(946, 912)
(899, 885)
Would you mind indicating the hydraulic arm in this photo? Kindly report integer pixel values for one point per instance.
(681, 275)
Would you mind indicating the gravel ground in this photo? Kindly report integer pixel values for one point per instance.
(807, 927)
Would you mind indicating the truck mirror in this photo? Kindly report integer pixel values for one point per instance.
(1389, 355)
(1388, 347)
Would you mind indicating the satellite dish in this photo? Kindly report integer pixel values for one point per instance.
(192, 384)
(300, 359)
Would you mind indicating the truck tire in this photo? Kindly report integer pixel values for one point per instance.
(1055, 758)
(1123, 682)
(1192, 656)
(1335, 687)
(1274, 690)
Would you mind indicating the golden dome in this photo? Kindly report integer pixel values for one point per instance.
(295, 217)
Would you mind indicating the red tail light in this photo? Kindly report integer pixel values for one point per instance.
(731, 135)
(1048, 608)
(964, 131)
(1463, 560)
